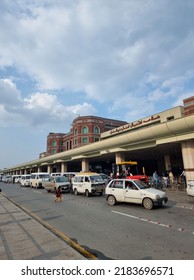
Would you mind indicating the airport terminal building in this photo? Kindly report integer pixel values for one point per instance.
(163, 142)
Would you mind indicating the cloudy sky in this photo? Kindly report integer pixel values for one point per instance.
(59, 59)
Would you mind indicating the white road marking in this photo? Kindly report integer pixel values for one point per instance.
(181, 206)
(151, 222)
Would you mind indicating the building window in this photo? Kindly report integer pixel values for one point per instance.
(96, 139)
(76, 131)
(75, 142)
(96, 130)
(170, 118)
(54, 143)
(54, 151)
(85, 140)
(84, 130)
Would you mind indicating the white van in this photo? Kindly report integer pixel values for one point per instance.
(70, 175)
(36, 179)
(56, 174)
(25, 180)
(88, 183)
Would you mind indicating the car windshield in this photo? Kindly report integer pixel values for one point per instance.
(104, 176)
(141, 185)
(96, 179)
(61, 179)
(44, 176)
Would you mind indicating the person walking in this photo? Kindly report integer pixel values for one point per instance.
(171, 177)
(165, 179)
(58, 194)
(155, 179)
(183, 178)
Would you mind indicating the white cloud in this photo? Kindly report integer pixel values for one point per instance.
(37, 110)
(42, 101)
(103, 48)
(9, 95)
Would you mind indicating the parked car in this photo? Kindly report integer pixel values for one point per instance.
(36, 179)
(7, 179)
(25, 180)
(70, 175)
(190, 188)
(105, 177)
(88, 183)
(134, 191)
(55, 174)
(16, 178)
(52, 183)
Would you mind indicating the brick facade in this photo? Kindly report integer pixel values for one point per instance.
(85, 130)
(54, 143)
(189, 106)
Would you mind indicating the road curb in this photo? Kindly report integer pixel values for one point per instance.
(55, 231)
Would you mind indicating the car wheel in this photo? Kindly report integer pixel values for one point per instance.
(148, 203)
(75, 192)
(87, 193)
(111, 200)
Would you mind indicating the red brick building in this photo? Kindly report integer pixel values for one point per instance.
(84, 130)
(189, 106)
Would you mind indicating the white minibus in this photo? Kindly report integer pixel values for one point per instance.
(36, 179)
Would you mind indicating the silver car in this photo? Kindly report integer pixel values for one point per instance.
(8, 179)
(52, 183)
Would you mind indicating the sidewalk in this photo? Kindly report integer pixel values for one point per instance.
(24, 238)
(180, 198)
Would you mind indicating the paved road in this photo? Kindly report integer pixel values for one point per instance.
(120, 232)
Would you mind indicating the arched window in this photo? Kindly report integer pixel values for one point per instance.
(76, 131)
(84, 130)
(96, 130)
(54, 143)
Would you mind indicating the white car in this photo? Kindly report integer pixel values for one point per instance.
(190, 188)
(88, 183)
(134, 191)
(52, 183)
(25, 180)
(7, 179)
(36, 179)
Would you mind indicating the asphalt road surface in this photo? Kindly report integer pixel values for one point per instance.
(121, 232)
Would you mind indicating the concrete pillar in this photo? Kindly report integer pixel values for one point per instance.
(39, 169)
(63, 167)
(85, 164)
(119, 157)
(167, 163)
(188, 158)
(48, 168)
